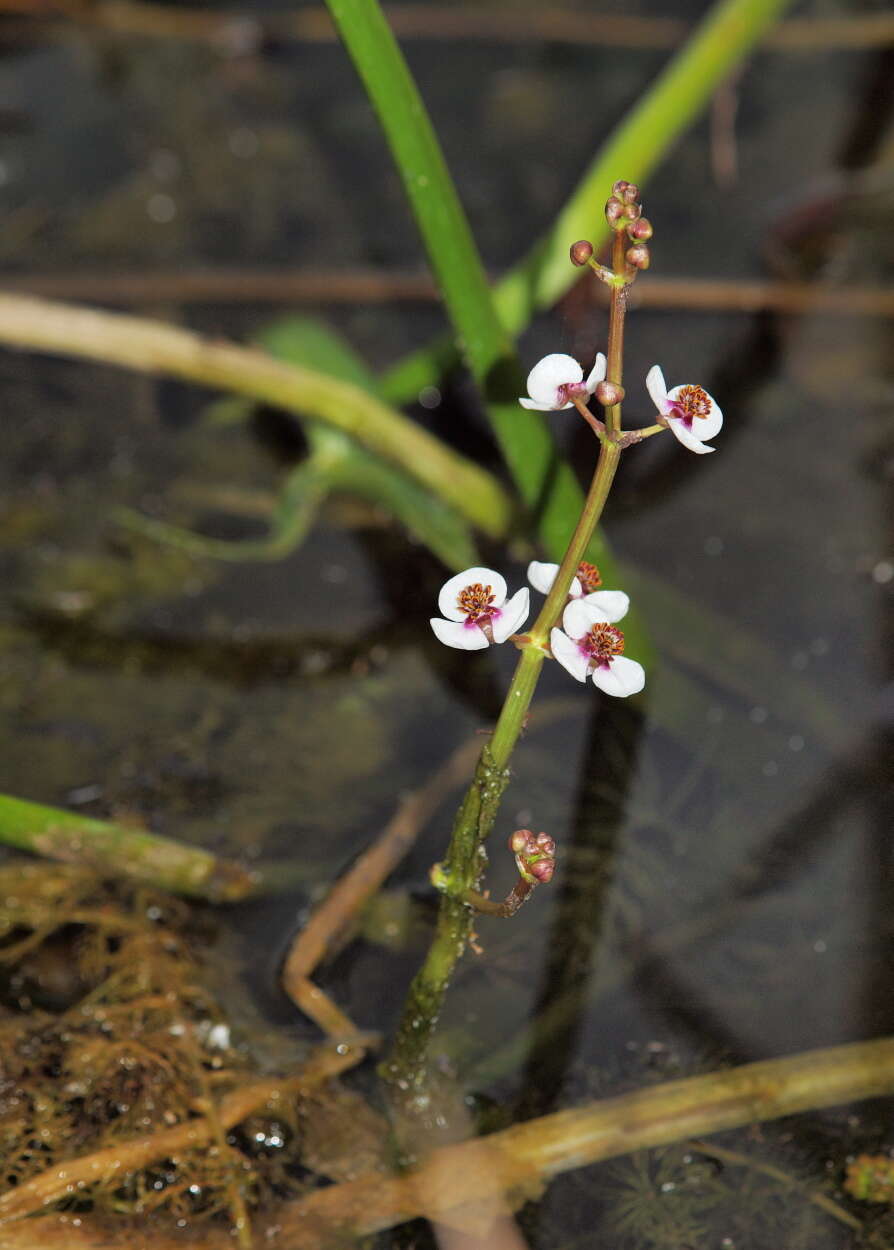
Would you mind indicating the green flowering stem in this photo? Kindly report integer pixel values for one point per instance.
(460, 876)
(406, 1066)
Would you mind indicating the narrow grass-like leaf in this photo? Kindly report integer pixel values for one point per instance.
(545, 483)
(725, 36)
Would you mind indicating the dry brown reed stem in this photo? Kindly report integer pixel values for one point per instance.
(154, 347)
(237, 31)
(351, 892)
(130, 1156)
(333, 918)
(373, 286)
(519, 1160)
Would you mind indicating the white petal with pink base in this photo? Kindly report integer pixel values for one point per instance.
(477, 610)
(614, 604)
(588, 645)
(692, 415)
(556, 377)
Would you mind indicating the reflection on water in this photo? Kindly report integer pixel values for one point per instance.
(724, 887)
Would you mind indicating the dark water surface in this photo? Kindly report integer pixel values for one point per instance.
(724, 891)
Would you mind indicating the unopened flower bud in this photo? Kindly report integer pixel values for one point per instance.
(619, 187)
(638, 256)
(632, 212)
(581, 251)
(535, 856)
(630, 193)
(518, 842)
(614, 210)
(640, 230)
(609, 393)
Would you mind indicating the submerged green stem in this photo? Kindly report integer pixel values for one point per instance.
(120, 850)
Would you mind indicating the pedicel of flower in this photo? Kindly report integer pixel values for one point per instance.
(557, 379)
(688, 411)
(477, 610)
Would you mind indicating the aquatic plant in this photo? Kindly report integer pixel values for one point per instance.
(587, 643)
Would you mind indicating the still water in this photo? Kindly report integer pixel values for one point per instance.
(724, 890)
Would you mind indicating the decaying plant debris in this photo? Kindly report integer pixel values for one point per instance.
(120, 1088)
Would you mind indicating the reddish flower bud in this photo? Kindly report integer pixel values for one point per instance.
(614, 210)
(630, 193)
(609, 393)
(519, 841)
(638, 256)
(581, 251)
(619, 187)
(535, 856)
(640, 230)
(632, 212)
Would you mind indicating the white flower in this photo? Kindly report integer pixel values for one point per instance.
(612, 603)
(588, 645)
(554, 378)
(477, 610)
(691, 414)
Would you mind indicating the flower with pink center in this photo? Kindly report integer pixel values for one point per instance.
(557, 378)
(588, 645)
(477, 611)
(612, 603)
(689, 412)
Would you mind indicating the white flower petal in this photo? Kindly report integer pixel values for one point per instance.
(568, 654)
(612, 604)
(702, 427)
(579, 617)
(597, 373)
(548, 375)
(515, 613)
(532, 403)
(656, 387)
(452, 588)
(464, 637)
(623, 677)
(680, 431)
(541, 575)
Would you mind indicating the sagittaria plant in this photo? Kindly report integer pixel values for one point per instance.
(576, 625)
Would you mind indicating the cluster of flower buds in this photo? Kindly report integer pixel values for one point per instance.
(535, 856)
(624, 212)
